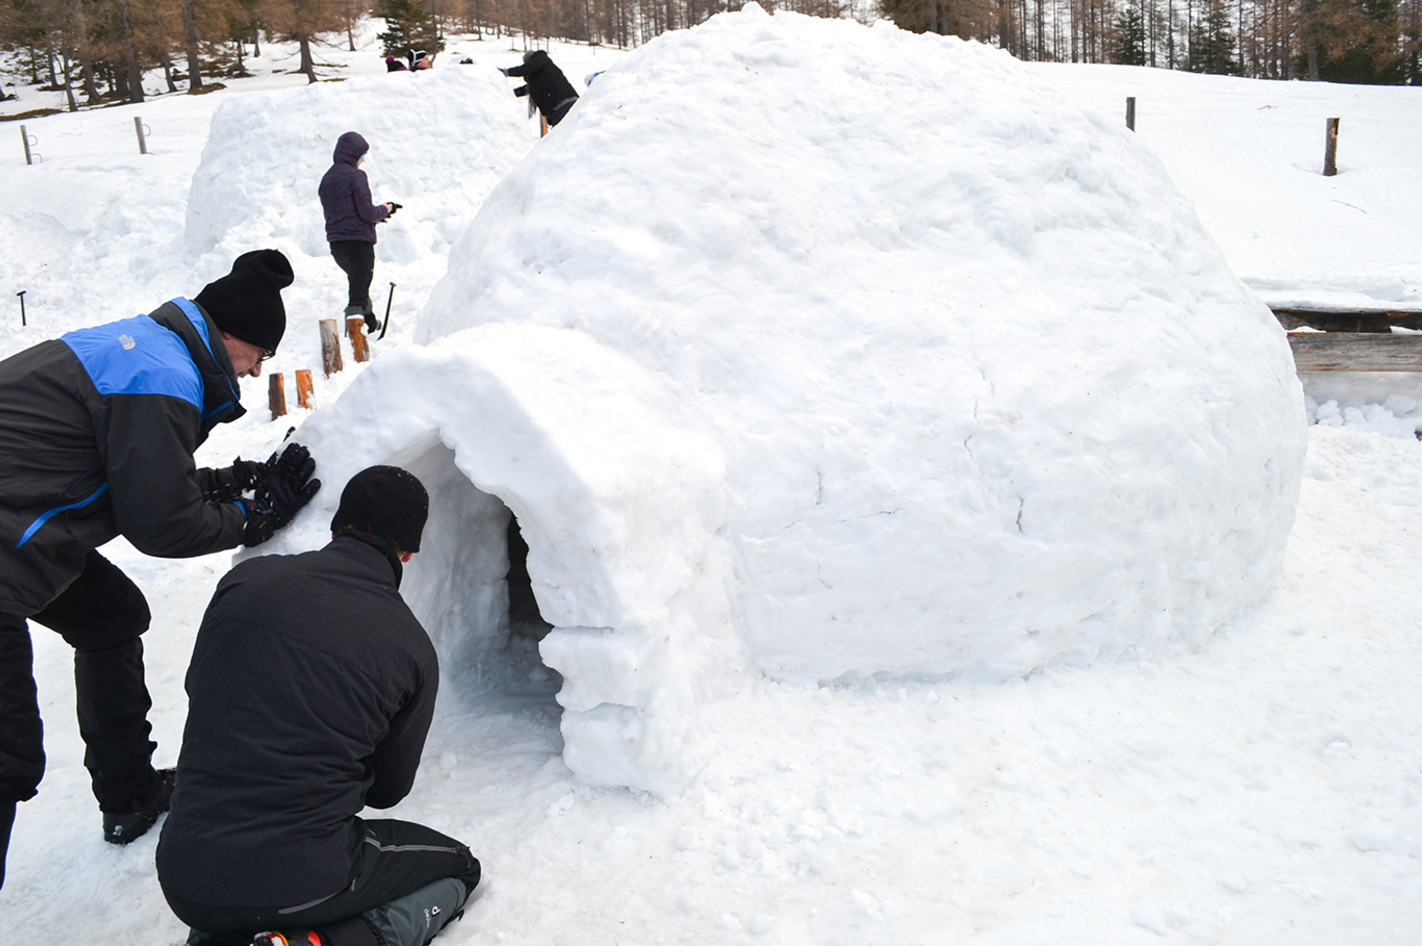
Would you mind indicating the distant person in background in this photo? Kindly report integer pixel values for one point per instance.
(311, 692)
(351, 220)
(419, 59)
(547, 88)
(394, 65)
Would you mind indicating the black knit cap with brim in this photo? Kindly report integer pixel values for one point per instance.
(385, 501)
(246, 303)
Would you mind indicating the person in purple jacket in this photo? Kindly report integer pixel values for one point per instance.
(351, 220)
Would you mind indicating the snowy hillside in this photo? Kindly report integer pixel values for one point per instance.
(662, 343)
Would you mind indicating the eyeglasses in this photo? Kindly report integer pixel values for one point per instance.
(265, 355)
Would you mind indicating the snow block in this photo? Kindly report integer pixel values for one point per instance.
(843, 351)
(623, 514)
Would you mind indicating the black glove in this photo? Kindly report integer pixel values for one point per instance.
(230, 483)
(505, 69)
(394, 207)
(287, 488)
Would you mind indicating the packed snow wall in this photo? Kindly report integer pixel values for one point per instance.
(439, 141)
(855, 351)
(622, 512)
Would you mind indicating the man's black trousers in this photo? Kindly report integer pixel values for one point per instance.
(100, 615)
(357, 258)
(397, 859)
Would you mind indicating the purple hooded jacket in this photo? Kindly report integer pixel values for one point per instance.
(345, 195)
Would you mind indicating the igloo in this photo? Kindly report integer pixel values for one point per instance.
(808, 349)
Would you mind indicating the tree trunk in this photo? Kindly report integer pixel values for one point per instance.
(166, 61)
(81, 35)
(68, 86)
(1310, 10)
(135, 79)
(308, 65)
(190, 44)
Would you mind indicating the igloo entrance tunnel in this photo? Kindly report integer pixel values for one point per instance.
(812, 349)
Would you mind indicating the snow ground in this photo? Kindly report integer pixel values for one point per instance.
(1264, 789)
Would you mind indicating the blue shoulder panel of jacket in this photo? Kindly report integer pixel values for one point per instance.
(191, 310)
(137, 356)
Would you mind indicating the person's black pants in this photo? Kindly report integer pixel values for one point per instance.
(101, 615)
(357, 259)
(397, 859)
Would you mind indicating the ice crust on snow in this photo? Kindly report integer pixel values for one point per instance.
(827, 350)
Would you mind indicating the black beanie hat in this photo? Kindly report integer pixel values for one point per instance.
(246, 303)
(385, 501)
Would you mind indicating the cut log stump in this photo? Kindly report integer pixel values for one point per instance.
(360, 347)
(304, 396)
(276, 394)
(330, 347)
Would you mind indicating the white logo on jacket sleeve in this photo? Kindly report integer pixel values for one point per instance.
(127, 342)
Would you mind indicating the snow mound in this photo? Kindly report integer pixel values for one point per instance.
(439, 141)
(850, 351)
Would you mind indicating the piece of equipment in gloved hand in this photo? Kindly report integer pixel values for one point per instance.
(288, 487)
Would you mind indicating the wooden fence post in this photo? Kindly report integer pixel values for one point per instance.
(304, 396)
(276, 394)
(330, 347)
(138, 127)
(1131, 112)
(355, 328)
(25, 137)
(1330, 149)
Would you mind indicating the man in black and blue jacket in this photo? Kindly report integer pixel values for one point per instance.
(97, 434)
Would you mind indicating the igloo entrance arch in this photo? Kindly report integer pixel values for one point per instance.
(619, 507)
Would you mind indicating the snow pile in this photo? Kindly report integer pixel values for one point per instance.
(941, 366)
(439, 141)
(1388, 403)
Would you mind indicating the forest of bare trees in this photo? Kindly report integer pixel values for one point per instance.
(96, 50)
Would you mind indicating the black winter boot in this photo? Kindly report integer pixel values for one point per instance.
(372, 324)
(126, 828)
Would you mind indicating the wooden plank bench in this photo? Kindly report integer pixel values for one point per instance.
(1353, 339)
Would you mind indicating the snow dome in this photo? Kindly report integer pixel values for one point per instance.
(817, 350)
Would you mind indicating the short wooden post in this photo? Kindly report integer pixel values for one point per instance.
(330, 347)
(1131, 112)
(542, 126)
(304, 396)
(25, 137)
(138, 127)
(1330, 149)
(276, 394)
(355, 328)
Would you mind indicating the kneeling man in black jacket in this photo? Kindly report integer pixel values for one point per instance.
(310, 693)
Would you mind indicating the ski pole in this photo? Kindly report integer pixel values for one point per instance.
(388, 299)
(21, 294)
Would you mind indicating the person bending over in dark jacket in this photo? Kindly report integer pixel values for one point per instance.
(546, 87)
(310, 694)
(97, 433)
(351, 220)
